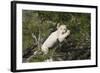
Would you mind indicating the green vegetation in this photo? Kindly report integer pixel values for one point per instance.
(37, 26)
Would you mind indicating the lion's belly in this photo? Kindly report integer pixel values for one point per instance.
(51, 40)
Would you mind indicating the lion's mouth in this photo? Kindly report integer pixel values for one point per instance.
(63, 32)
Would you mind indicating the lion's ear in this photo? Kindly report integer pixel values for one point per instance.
(58, 25)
